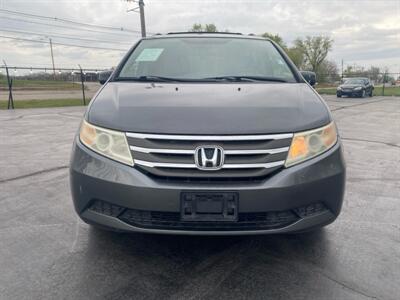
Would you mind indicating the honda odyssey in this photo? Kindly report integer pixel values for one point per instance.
(208, 134)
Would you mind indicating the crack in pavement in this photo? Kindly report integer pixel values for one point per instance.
(347, 286)
(358, 179)
(70, 116)
(32, 226)
(316, 269)
(370, 141)
(34, 174)
(214, 271)
(11, 119)
(368, 223)
(359, 104)
(76, 235)
(64, 114)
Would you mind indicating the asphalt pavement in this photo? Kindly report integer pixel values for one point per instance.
(46, 252)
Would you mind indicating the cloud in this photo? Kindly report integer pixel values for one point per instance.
(365, 32)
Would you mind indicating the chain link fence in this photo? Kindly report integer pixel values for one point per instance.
(41, 85)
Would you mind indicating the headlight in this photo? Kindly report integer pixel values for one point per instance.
(339, 88)
(308, 144)
(106, 142)
(358, 88)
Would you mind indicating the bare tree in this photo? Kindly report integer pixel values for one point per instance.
(315, 50)
(328, 72)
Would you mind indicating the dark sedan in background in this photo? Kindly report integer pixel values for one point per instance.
(355, 87)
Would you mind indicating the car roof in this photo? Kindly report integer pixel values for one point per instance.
(207, 35)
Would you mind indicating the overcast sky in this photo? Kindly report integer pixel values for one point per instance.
(364, 32)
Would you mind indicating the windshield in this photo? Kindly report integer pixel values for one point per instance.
(192, 59)
(354, 81)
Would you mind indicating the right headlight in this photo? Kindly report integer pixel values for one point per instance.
(106, 142)
(308, 144)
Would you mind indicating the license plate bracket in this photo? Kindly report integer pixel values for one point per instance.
(209, 206)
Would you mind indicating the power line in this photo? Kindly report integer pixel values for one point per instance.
(64, 26)
(64, 36)
(67, 21)
(62, 44)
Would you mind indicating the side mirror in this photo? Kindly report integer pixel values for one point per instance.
(103, 76)
(310, 77)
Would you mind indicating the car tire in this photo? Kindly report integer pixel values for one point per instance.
(339, 95)
(371, 93)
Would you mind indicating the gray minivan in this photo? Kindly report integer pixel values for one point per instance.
(208, 134)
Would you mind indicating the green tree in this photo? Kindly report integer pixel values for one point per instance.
(315, 50)
(276, 38)
(197, 27)
(210, 28)
(296, 55)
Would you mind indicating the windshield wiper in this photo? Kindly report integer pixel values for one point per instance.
(150, 78)
(246, 78)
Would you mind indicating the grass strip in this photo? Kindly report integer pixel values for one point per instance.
(44, 103)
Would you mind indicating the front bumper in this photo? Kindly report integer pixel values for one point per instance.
(352, 93)
(311, 193)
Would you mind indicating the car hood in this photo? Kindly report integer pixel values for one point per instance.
(208, 108)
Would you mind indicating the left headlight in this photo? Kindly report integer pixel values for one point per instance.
(358, 88)
(106, 142)
(308, 144)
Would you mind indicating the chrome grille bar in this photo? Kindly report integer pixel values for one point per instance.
(227, 152)
(193, 166)
(210, 137)
(161, 151)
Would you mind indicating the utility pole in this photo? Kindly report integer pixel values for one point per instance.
(142, 20)
(52, 58)
(141, 12)
(83, 84)
(342, 69)
(384, 80)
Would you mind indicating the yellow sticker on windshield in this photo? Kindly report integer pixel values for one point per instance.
(150, 54)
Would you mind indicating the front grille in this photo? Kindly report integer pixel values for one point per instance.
(172, 220)
(246, 221)
(173, 156)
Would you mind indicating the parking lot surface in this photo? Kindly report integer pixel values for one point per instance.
(46, 252)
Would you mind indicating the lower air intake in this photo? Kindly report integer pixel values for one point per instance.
(172, 220)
